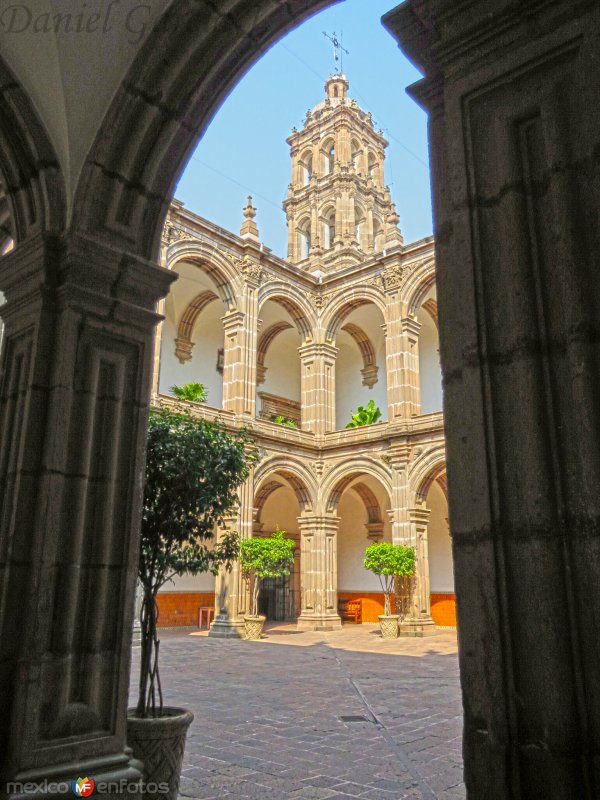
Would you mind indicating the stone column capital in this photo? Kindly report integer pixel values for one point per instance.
(232, 322)
(324, 522)
(411, 326)
(420, 516)
(313, 350)
(83, 272)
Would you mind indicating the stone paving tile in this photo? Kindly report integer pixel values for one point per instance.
(268, 715)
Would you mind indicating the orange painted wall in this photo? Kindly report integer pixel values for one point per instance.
(372, 603)
(181, 608)
(443, 609)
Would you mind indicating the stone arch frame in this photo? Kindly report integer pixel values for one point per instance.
(345, 473)
(354, 297)
(187, 322)
(304, 229)
(325, 150)
(370, 501)
(265, 340)
(326, 212)
(158, 115)
(294, 302)
(431, 307)
(215, 266)
(429, 466)
(367, 351)
(297, 475)
(418, 283)
(32, 185)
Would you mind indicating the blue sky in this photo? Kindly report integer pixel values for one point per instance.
(244, 150)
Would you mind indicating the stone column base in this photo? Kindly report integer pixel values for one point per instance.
(319, 622)
(422, 626)
(224, 628)
(120, 773)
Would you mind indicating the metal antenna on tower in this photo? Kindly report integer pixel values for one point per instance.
(338, 50)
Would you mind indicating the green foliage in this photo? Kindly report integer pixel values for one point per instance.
(366, 415)
(193, 469)
(266, 557)
(285, 421)
(192, 392)
(387, 561)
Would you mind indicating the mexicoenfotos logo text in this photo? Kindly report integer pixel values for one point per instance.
(85, 787)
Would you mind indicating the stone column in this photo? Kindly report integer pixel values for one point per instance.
(74, 390)
(514, 141)
(419, 518)
(231, 589)
(318, 570)
(409, 527)
(318, 387)
(234, 391)
(252, 324)
(402, 362)
(370, 237)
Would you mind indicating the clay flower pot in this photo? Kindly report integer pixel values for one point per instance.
(389, 626)
(160, 743)
(254, 626)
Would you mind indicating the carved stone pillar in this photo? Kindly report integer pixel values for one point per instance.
(318, 569)
(234, 327)
(402, 351)
(409, 527)
(318, 387)
(421, 599)
(231, 591)
(74, 390)
(512, 91)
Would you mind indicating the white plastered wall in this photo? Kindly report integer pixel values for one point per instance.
(282, 359)
(440, 546)
(349, 389)
(353, 540)
(430, 372)
(207, 334)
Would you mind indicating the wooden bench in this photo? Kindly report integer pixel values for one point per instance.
(350, 610)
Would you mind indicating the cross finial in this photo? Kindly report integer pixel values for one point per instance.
(338, 50)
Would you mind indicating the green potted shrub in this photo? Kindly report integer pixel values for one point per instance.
(193, 468)
(366, 415)
(264, 557)
(389, 561)
(192, 392)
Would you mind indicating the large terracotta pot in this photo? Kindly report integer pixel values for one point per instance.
(389, 626)
(160, 743)
(254, 626)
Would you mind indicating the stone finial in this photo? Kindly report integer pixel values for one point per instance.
(249, 229)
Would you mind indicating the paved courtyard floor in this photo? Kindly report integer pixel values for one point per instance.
(317, 716)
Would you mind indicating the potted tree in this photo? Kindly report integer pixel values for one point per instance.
(389, 561)
(193, 468)
(264, 557)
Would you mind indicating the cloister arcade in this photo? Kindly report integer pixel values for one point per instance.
(512, 94)
(270, 341)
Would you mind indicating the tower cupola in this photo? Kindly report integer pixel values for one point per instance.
(339, 210)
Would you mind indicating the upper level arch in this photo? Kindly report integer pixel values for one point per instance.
(293, 301)
(346, 302)
(211, 262)
(418, 284)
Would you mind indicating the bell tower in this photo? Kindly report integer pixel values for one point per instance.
(339, 210)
